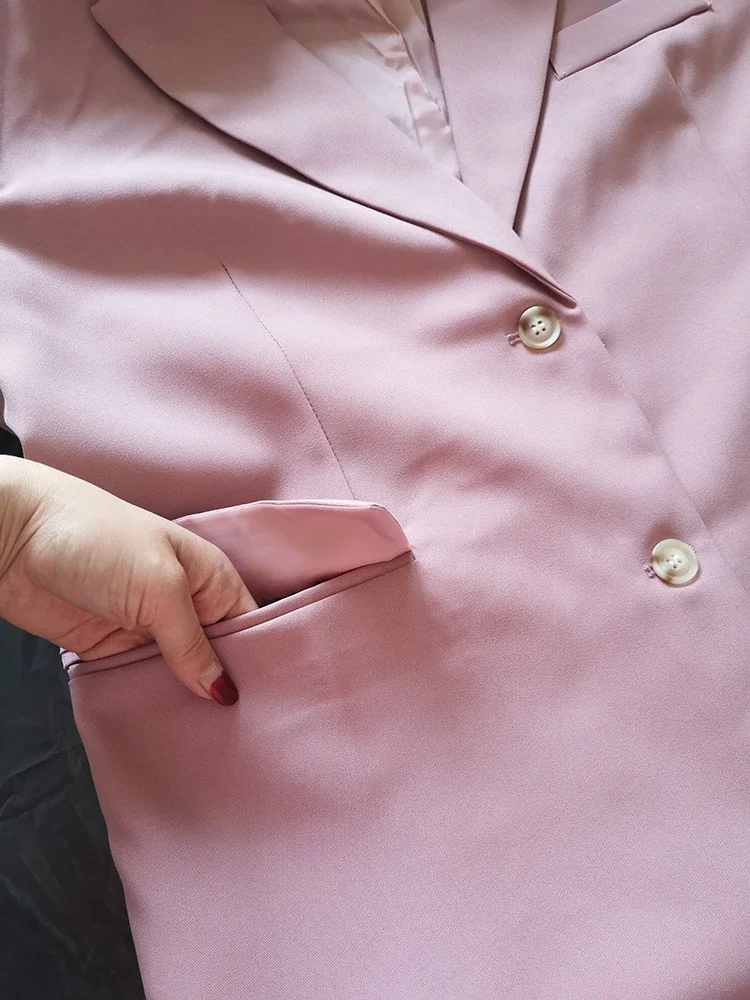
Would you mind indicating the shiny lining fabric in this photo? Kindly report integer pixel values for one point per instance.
(384, 50)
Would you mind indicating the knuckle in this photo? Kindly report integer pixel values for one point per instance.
(193, 648)
(169, 577)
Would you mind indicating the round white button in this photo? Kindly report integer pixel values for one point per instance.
(674, 562)
(539, 327)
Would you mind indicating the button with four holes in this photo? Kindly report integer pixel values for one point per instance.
(539, 327)
(674, 562)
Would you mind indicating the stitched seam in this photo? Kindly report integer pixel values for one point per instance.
(294, 373)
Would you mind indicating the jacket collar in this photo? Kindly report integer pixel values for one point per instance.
(494, 59)
(233, 64)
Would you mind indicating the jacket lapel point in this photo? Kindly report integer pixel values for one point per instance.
(234, 65)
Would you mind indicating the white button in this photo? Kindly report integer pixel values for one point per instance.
(674, 562)
(539, 327)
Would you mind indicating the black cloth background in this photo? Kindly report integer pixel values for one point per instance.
(64, 933)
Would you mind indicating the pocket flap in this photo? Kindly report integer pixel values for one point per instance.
(615, 28)
(280, 548)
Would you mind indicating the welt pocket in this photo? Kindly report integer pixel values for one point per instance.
(290, 554)
(614, 28)
(285, 608)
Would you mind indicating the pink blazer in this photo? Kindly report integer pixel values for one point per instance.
(485, 747)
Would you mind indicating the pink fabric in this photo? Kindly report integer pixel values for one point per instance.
(384, 50)
(265, 613)
(511, 766)
(571, 11)
(288, 555)
(280, 548)
(615, 27)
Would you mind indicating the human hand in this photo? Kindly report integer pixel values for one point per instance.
(97, 575)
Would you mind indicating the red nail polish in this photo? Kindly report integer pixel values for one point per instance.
(223, 690)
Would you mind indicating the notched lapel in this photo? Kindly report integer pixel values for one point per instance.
(232, 63)
(494, 61)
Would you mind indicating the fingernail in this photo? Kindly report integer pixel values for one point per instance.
(219, 685)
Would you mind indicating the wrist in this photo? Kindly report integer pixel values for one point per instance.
(9, 473)
(16, 507)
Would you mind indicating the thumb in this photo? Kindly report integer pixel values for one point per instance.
(186, 650)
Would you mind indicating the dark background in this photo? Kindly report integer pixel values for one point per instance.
(64, 933)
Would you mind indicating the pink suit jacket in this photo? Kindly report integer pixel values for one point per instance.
(506, 765)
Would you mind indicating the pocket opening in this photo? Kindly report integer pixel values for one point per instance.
(282, 608)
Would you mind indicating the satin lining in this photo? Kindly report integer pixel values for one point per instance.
(383, 49)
